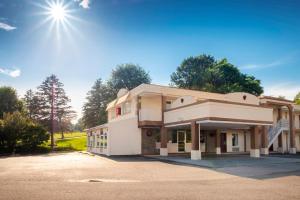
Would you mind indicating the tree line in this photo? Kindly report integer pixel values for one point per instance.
(201, 72)
(25, 123)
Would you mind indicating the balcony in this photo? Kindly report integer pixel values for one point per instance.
(217, 111)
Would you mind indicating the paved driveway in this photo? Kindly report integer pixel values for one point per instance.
(275, 165)
(80, 176)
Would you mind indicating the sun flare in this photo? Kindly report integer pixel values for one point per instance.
(58, 12)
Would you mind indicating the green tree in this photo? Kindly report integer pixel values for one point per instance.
(127, 76)
(9, 101)
(94, 109)
(53, 103)
(33, 136)
(19, 132)
(297, 99)
(14, 126)
(79, 126)
(32, 104)
(207, 74)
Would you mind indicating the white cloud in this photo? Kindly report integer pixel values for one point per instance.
(6, 27)
(267, 65)
(12, 73)
(289, 90)
(84, 3)
(281, 61)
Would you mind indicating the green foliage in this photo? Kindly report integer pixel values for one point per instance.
(94, 109)
(32, 103)
(18, 131)
(124, 76)
(79, 126)
(206, 74)
(9, 101)
(297, 99)
(127, 76)
(33, 136)
(54, 105)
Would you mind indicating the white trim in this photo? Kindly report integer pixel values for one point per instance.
(184, 132)
(231, 122)
(174, 125)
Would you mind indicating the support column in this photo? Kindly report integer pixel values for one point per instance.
(292, 132)
(218, 142)
(195, 152)
(163, 141)
(254, 151)
(280, 146)
(264, 141)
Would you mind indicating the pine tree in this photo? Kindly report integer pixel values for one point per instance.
(31, 101)
(53, 104)
(94, 109)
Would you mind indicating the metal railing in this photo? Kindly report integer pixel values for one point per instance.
(274, 131)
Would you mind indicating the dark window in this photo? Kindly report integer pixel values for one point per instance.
(188, 136)
(235, 140)
(174, 137)
(118, 111)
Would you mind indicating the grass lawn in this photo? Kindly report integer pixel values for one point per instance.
(73, 141)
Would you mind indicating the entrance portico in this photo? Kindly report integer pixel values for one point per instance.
(215, 137)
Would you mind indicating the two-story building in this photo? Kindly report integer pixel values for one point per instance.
(154, 119)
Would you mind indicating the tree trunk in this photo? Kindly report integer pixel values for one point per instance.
(62, 134)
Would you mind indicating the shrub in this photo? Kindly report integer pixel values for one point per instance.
(18, 131)
(33, 136)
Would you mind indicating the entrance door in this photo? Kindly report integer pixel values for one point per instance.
(223, 142)
(181, 141)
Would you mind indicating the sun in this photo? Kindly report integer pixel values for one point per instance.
(59, 19)
(57, 12)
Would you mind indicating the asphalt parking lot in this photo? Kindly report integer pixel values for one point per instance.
(82, 176)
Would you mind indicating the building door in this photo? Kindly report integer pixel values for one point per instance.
(223, 143)
(181, 141)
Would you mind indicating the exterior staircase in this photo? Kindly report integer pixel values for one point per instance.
(274, 131)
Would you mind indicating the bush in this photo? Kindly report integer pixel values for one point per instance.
(33, 136)
(19, 132)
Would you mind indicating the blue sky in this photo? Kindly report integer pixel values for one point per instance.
(259, 37)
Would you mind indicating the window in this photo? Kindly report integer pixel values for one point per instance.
(118, 111)
(168, 104)
(235, 140)
(126, 107)
(188, 136)
(174, 136)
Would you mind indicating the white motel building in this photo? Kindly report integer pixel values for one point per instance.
(160, 120)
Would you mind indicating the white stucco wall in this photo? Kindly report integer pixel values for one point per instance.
(151, 108)
(219, 110)
(182, 101)
(124, 136)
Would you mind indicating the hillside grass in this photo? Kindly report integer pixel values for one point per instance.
(73, 141)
